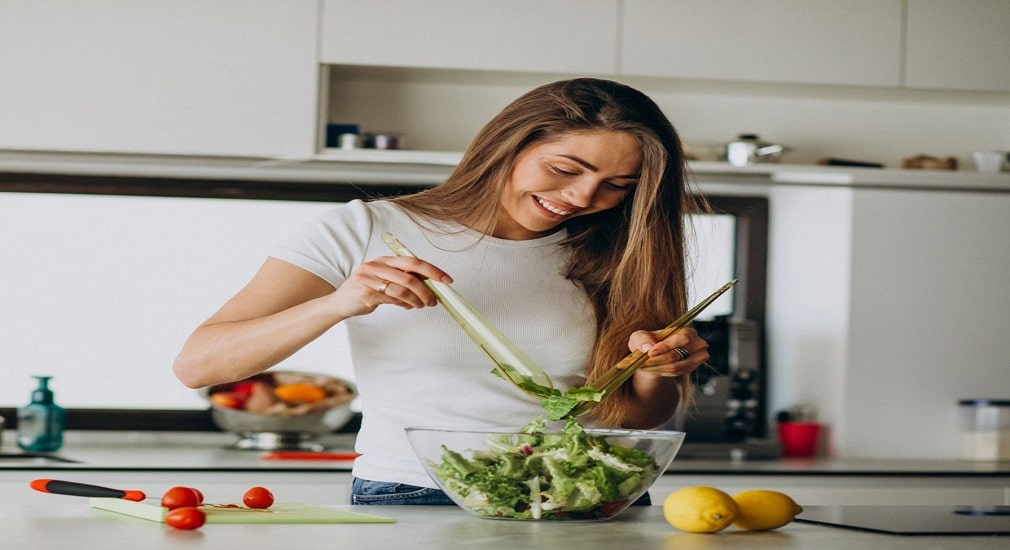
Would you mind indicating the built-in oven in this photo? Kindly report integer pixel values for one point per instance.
(728, 415)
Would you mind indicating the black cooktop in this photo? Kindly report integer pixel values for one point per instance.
(913, 520)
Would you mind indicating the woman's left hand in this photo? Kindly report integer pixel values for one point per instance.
(679, 354)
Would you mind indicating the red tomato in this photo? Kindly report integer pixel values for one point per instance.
(243, 387)
(180, 497)
(187, 517)
(199, 495)
(258, 497)
(608, 509)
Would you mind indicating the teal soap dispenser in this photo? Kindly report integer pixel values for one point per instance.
(40, 423)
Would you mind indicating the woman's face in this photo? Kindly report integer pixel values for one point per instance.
(575, 175)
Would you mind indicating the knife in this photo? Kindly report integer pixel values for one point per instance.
(58, 487)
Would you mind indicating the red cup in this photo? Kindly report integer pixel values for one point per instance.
(799, 439)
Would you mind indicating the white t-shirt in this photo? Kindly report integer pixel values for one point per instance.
(418, 367)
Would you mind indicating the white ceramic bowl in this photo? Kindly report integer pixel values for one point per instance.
(505, 474)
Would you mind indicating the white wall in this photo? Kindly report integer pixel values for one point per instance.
(102, 291)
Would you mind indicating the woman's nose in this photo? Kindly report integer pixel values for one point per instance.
(580, 193)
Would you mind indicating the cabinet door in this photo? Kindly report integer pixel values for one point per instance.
(188, 77)
(927, 299)
(567, 36)
(856, 42)
(959, 45)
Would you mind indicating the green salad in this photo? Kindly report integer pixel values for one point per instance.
(535, 474)
(557, 404)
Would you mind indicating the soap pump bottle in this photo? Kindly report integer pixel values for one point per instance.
(40, 423)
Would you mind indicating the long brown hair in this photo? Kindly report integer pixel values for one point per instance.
(630, 259)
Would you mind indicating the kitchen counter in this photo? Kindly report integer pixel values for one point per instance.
(211, 451)
(35, 520)
(154, 461)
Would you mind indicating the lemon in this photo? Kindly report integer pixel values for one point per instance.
(699, 509)
(762, 510)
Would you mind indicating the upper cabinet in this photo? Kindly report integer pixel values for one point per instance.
(229, 77)
(559, 36)
(959, 45)
(856, 42)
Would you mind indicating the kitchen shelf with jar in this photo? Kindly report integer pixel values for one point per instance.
(767, 173)
(420, 167)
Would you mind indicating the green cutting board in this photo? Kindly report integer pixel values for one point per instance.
(152, 510)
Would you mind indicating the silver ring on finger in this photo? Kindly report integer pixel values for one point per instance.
(382, 287)
(683, 353)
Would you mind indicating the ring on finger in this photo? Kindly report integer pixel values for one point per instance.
(683, 353)
(382, 287)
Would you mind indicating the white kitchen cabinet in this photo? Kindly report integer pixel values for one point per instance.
(797, 41)
(958, 45)
(928, 311)
(231, 77)
(560, 36)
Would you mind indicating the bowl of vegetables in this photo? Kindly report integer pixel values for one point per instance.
(540, 473)
(281, 409)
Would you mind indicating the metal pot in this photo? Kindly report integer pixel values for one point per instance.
(287, 429)
(748, 149)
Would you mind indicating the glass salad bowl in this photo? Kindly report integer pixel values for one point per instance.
(569, 473)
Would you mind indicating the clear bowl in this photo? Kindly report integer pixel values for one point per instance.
(501, 473)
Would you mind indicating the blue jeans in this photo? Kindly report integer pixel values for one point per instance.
(364, 491)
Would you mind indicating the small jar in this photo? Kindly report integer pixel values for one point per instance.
(741, 152)
(986, 429)
(342, 136)
(383, 141)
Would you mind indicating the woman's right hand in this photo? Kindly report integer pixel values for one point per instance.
(395, 280)
(284, 307)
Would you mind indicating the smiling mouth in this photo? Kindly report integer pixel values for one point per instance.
(552, 208)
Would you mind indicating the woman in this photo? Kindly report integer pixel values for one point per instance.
(562, 224)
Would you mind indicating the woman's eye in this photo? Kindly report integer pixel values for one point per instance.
(619, 186)
(561, 171)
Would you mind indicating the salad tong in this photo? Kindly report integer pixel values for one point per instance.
(622, 371)
(511, 362)
(513, 365)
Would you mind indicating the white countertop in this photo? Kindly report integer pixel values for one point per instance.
(36, 520)
(211, 451)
